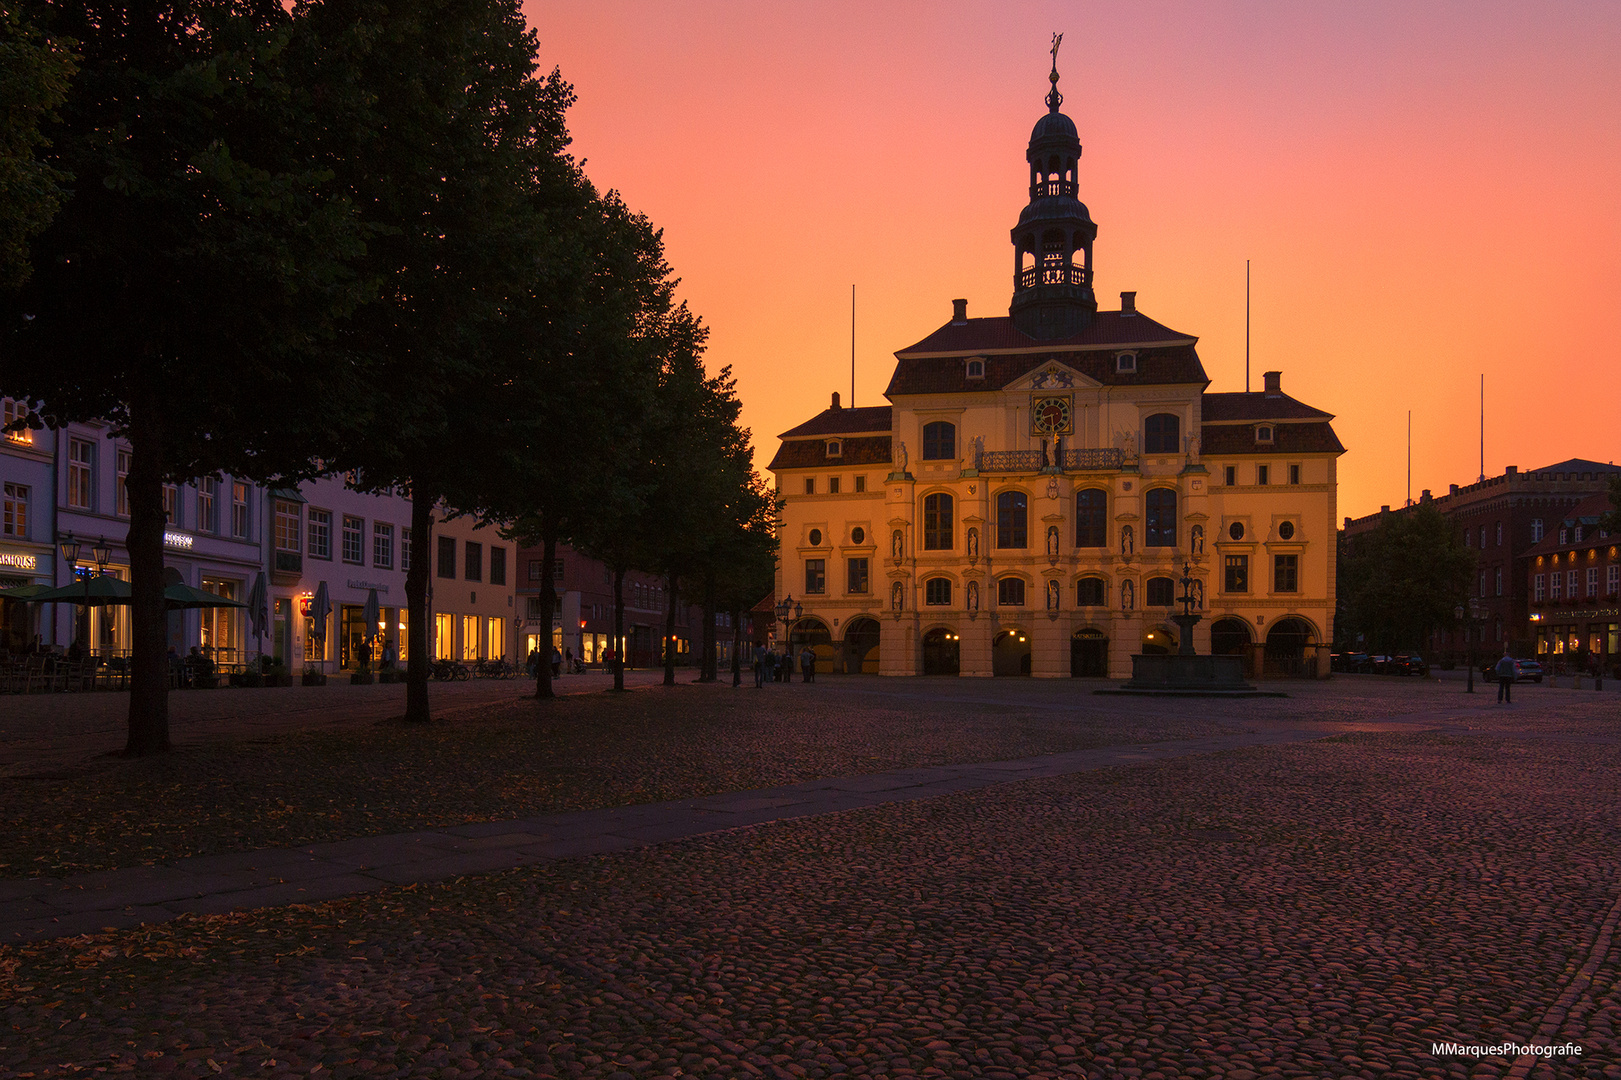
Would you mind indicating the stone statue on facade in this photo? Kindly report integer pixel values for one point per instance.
(897, 545)
(1052, 595)
(973, 543)
(1127, 597)
(1198, 594)
(1196, 539)
(1192, 444)
(900, 457)
(973, 597)
(1128, 543)
(1052, 540)
(897, 594)
(979, 450)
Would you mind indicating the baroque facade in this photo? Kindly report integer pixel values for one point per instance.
(1040, 485)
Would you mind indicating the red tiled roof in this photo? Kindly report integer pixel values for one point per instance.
(999, 335)
(1230, 439)
(843, 422)
(1236, 408)
(949, 374)
(1587, 512)
(812, 453)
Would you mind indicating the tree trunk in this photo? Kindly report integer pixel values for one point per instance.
(707, 671)
(669, 632)
(619, 628)
(416, 596)
(737, 648)
(548, 602)
(149, 618)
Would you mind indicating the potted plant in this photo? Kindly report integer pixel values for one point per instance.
(362, 675)
(314, 677)
(275, 672)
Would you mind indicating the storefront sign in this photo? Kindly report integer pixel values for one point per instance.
(356, 583)
(178, 540)
(19, 561)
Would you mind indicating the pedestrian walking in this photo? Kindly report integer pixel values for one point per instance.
(1505, 679)
(759, 666)
(807, 664)
(532, 665)
(557, 662)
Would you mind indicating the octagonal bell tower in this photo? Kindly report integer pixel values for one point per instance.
(1052, 243)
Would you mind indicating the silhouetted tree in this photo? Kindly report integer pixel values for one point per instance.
(34, 75)
(1403, 580)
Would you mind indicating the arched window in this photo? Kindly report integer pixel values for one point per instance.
(1011, 515)
(1010, 592)
(1089, 592)
(937, 522)
(939, 441)
(1161, 592)
(1162, 434)
(1091, 518)
(937, 592)
(1160, 527)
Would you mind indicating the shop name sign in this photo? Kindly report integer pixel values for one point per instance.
(178, 540)
(356, 583)
(18, 560)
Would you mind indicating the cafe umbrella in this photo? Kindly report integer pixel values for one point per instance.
(320, 609)
(258, 613)
(370, 615)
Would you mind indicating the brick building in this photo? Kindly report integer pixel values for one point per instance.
(1573, 577)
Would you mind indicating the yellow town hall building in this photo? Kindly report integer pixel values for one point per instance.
(1040, 483)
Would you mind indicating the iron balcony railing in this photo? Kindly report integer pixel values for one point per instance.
(289, 562)
(1026, 461)
(1054, 275)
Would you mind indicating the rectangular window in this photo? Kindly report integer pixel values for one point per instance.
(858, 581)
(470, 636)
(14, 516)
(1499, 583)
(557, 571)
(1539, 588)
(288, 525)
(1263, 474)
(1499, 534)
(832, 485)
(81, 467)
(1238, 574)
(15, 411)
(1536, 529)
(1483, 583)
(1232, 475)
(1556, 589)
(532, 607)
(810, 485)
(239, 510)
(1010, 592)
(1612, 582)
(1089, 592)
(498, 566)
(121, 492)
(1570, 584)
(1294, 474)
(354, 540)
(1592, 581)
(171, 504)
(405, 549)
(444, 637)
(1286, 573)
(861, 483)
(815, 576)
(937, 592)
(382, 546)
(474, 561)
(537, 570)
(447, 556)
(207, 488)
(320, 534)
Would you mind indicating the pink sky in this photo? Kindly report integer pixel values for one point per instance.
(1428, 192)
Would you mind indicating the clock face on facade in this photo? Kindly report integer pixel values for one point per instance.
(1052, 415)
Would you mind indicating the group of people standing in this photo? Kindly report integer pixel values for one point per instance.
(772, 666)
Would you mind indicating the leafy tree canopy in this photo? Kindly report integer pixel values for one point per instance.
(1405, 579)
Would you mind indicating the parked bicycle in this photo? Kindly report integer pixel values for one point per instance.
(496, 667)
(445, 670)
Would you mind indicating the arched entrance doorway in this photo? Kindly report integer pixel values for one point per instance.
(1157, 641)
(1231, 637)
(1010, 653)
(813, 632)
(861, 646)
(941, 653)
(1088, 654)
(1286, 647)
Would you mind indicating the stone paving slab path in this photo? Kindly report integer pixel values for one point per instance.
(43, 908)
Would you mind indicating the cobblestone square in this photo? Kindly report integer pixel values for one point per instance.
(1385, 866)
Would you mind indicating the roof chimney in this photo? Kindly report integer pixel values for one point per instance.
(835, 399)
(1128, 303)
(1454, 490)
(1424, 496)
(1273, 381)
(959, 312)
(1511, 470)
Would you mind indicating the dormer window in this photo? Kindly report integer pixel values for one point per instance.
(1263, 433)
(976, 369)
(1125, 363)
(835, 448)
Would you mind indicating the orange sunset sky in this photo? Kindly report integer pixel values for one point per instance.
(1428, 192)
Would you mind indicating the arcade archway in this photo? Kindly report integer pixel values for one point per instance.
(1158, 641)
(861, 637)
(1010, 653)
(942, 654)
(813, 632)
(1286, 645)
(1088, 654)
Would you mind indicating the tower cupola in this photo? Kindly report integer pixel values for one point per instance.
(1052, 243)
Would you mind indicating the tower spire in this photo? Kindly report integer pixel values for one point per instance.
(1054, 98)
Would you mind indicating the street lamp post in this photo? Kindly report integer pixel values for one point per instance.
(1469, 646)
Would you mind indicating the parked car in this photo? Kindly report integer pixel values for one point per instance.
(1355, 662)
(1409, 664)
(1524, 671)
